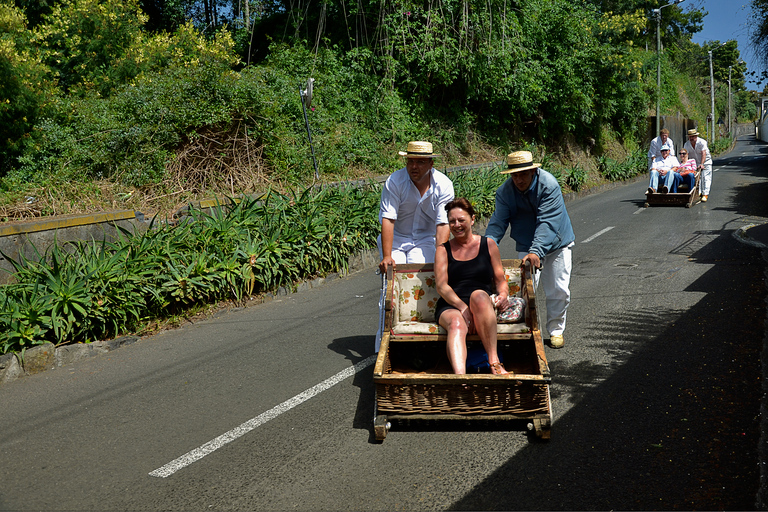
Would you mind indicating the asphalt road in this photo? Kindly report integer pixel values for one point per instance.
(656, 394)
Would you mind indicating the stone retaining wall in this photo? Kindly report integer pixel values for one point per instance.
(37, 236)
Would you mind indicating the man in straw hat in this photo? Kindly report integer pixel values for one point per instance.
(698, 150)
(531, 204)
(412, 213)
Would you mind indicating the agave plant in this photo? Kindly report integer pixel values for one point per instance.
(87, 291)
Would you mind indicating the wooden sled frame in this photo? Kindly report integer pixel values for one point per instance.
(426, 395)
(687, 198)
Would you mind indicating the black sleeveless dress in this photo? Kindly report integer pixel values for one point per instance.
(467, 276)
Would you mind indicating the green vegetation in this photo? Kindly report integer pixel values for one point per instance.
(151, 104)
(89, 291)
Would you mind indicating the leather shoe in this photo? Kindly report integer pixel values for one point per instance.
(664, 189)
(556, 341)
(650, 190)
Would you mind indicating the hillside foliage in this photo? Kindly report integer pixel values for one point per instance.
(205, 96)
(129, 103)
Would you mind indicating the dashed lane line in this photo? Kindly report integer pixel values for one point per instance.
(213, 445)
(586, 241)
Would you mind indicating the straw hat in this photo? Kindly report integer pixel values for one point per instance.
(418, 149)
(693, 132)
(520, 161)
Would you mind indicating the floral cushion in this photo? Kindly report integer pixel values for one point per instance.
(417, 296)
(513, 280)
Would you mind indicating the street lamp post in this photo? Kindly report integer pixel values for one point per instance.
(711, 135)
(730, 130)
(712, 90)
(657, 14)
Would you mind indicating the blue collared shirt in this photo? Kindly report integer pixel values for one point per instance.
(537, 218)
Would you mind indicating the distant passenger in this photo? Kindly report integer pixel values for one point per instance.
(661, 170)
(685, 173)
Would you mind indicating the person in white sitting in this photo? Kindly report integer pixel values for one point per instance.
(661, 170)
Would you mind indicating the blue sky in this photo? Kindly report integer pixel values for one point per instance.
(728, 19)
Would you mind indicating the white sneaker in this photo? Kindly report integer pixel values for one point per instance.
(556, 341)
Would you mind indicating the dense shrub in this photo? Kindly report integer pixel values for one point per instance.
(617, 170)
(86, 291)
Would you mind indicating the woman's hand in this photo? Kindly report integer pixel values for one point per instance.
(501, 302)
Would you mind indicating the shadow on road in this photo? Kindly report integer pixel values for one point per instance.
(673, 421)
(671, 424)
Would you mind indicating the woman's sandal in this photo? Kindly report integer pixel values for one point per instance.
(497, 368)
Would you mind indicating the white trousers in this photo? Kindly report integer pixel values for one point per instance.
(705, 182)
(424, 253)
(555, 276)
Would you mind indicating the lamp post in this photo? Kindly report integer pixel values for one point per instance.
(657, 14)
(730, 130)
(712, 91)
(711, 135)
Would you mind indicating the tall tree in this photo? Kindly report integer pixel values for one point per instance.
(759, 39)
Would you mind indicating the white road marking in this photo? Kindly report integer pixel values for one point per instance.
(597, 234)
(213, 445)
(638, 211)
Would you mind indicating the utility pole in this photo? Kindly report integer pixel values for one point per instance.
(712, 96)
(730, 117)
(657, 15)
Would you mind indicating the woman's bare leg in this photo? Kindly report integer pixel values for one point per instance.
(456, 346)
(485, 322)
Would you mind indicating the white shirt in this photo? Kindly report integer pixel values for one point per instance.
(665, 163)
(416, 217)
(697, 152)
(655, 151)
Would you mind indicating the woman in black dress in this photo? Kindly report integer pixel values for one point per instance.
(468, 270)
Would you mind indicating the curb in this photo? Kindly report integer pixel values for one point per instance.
(743, 236)
(45, 357)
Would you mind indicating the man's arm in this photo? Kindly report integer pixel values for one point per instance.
(387, 236)
(497, 226)
(653, 149)
(442, 233)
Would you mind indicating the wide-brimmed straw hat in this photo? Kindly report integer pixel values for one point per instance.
(418, 149)
(693, 132)
(520, 161)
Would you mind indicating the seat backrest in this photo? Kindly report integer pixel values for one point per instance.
(416, 293)
(417, 296)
